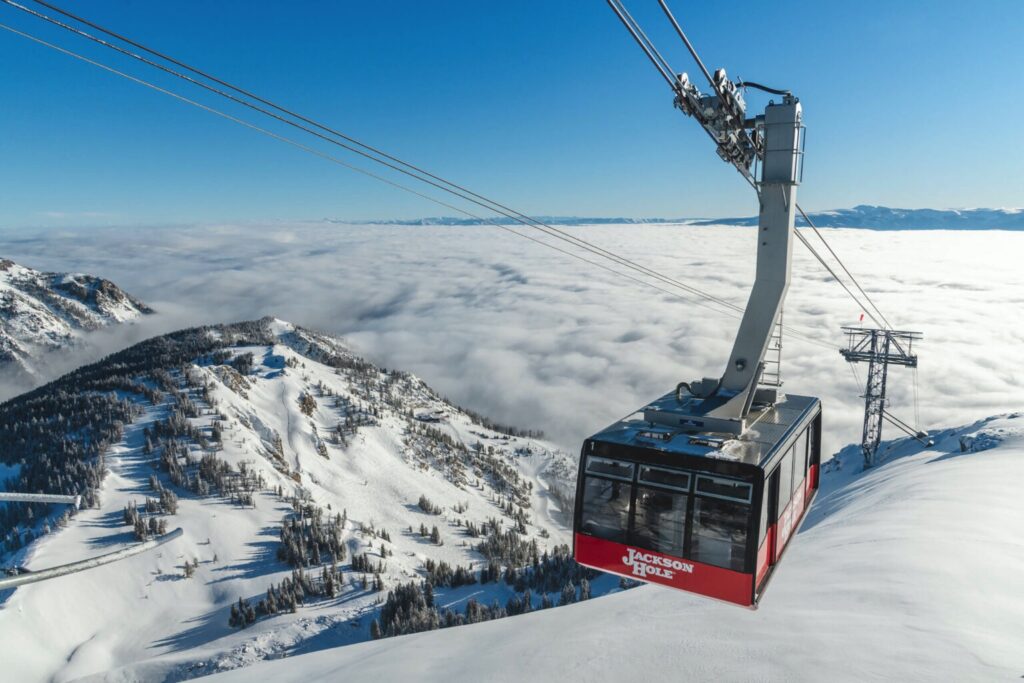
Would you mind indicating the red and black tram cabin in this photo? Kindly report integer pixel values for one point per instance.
(702, 512)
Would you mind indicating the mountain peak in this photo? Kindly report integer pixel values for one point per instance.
(285, 458)
(277, 327)
(42, 311)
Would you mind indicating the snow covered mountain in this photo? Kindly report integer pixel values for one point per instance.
(860, 216)
(307, 479)
(42, 312)
(909, 571)
(504, 220)
(308, 482)
(885, 218)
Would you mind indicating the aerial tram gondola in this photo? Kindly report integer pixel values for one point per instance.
(703, 489)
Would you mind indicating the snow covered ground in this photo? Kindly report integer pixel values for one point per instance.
(141, 618)
(905, 572)
(910, 571)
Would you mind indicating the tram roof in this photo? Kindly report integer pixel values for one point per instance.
(767, 429)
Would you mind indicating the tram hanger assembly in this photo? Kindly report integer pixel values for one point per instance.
(702, 489)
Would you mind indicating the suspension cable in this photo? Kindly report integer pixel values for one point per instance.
(370, 174)
(458, 191)
(689, 46)
(634, 30)
(836, 277)
(917, 403)
(845, 269)
(268, 103)
(856, 375)
(714, 85)
(880, 320)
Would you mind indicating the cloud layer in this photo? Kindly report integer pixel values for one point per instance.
(532, 337)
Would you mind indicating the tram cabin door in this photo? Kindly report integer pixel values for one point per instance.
(772, 515)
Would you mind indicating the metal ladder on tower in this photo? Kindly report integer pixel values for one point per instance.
(771, 376)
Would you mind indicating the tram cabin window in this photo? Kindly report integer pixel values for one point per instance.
(658, 476)
(785, 480)
(660, 519)
(724, 488)
(610, 468)
(606, 500)
(721, 519)
(800, 462)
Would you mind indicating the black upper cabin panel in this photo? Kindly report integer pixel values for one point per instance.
(770, 431)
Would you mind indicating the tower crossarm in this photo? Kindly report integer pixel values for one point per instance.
(862, 346)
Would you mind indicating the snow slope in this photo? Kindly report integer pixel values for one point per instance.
(909, 571)
(141, 619)
(42, 312)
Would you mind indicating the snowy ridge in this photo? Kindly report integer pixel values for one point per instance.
(304, 420)
(886, 218)
(909, 571)
(48, 311)
(860, 216)
(504, 220)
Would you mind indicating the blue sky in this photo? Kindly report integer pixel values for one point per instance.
(546, 106)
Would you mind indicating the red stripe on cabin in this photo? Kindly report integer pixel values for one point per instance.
(763, 559)
(654, 567)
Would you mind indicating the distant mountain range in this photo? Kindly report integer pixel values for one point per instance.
(862, 216)
(501, 220)
(885, 218)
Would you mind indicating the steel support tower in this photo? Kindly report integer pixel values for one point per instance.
(879, 349)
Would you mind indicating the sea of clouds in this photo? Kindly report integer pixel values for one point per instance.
(535, 338)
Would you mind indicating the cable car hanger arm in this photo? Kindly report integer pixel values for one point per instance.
(774, 139)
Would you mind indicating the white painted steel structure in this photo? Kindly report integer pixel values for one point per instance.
(722, 405)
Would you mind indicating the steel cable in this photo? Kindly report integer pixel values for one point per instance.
(370, 174)
(884, 323)
(414, 173)
(845, 269)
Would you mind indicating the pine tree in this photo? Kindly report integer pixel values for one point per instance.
(428, 593)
